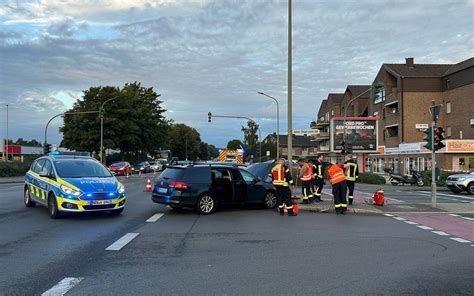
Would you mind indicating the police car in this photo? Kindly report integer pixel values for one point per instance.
(72, 183)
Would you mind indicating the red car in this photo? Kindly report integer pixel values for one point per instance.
(121, 168)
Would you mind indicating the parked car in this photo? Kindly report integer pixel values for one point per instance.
(205, 187)
(120, 168)
(156, 166)
(143, 167)
(461, 182)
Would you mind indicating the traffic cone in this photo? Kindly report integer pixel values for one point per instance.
(126, 176)
(154, 172)
(148, 185)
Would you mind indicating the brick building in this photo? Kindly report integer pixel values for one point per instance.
(303, 147)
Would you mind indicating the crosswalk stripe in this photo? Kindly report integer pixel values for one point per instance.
(388, 215)
(154, 218)
(440, 233)
(410, 222)
(399, 218)
(121, 242)
(424, 227)
(461, 240)
(63, 286)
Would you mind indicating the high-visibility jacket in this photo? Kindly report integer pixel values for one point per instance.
(336, 174)
(306, 172)
(352, 171)
(281, 176)
(317, 170)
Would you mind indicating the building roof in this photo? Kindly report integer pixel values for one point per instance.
(460, 66)
(298, 141)
(335, 98)
(358, 89)
(418, 70)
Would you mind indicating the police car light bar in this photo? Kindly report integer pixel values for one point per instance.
(57, 152)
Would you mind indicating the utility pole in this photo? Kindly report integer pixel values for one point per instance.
(434, 110)
(6, 143)
(186, 149)
(290, 115)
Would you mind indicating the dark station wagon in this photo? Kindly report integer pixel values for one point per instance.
(205, 187)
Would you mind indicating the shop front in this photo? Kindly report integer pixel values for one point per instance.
(459, 155)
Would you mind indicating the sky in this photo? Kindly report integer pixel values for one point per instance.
(215, 56)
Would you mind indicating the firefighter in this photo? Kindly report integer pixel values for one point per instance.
(352, 173)
(318, 178)
(282, 180)
(306, 174)
(339, 187)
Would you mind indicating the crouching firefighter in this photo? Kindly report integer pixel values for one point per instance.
(339, 188)
(352, 174)
(282, 180)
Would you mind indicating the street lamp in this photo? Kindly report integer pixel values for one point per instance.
(101, 114)
(278, 122)
(290, 110)
(242, 117)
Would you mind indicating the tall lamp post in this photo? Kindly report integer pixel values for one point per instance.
(290, 111)
(278, 122)
(242, 117)
(6, 143)
(101, 114)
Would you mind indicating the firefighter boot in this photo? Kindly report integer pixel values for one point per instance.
(282, 211)
(351, 200)
(291, 213)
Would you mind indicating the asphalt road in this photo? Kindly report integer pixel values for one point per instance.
(234, 251)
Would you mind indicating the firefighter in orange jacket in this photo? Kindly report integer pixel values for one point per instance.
(281, 181)
(339, 187)
(306, 175)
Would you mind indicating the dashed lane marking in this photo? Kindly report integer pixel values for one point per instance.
(121, 242)
(461, 240)
(63, 286)
(388, 215)
(441, 233)
(154, 218)
(399, 218)
(411, 222)
(450, 195)
(468, 218)
(424, 227)
(454, 215)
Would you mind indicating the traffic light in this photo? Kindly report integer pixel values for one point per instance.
(46, 148)
(428, 139)
(209, 115)
(349, 148)
(343, 147)
(438, 138)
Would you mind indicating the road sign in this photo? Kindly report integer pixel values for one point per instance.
(305, 132)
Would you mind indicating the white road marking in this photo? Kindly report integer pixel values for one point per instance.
(388, 215)
(424, 227)
(468, 218)
(441, 233)
(411, 222)
(121, 242)
(63, 286)
(450, 195)
(399, 218)
(454, 215)
(460, 240)
(154, 218)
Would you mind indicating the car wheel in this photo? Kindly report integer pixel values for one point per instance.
(116, 212)
(206, 204)
(420, 182)
(27, 199)
(470, 188)
(53, 207)
(270, 200)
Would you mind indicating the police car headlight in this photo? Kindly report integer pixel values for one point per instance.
(69, 191)
(121, 189)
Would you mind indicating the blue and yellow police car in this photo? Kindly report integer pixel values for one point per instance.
(72, 183)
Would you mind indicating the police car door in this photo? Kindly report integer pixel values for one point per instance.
(46, 175)
(35, 185)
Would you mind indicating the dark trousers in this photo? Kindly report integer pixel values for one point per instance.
(283, 194)
(306, 188)
(350, 186)
(339, 191)
(317, 187)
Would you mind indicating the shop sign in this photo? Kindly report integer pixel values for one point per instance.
(392, 151)
(409, 148)
(360, 132)
(460, 146)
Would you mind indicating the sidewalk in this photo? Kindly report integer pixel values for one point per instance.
(7, 180)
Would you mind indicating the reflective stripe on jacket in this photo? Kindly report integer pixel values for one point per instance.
(335, 174)
(281, 176)
(351, 170)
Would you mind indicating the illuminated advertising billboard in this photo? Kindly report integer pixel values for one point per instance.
(360, 132)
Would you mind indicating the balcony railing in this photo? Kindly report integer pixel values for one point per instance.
(392, 119)
(323, 148)
(320, 136)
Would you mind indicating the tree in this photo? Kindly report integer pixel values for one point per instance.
(251, 137)
(32, 143)
(234, 144)
(133, 121)
(213, 152)
(181, 137)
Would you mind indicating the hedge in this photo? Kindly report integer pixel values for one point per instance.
(14, 169)
(371, 178)
(442, 178)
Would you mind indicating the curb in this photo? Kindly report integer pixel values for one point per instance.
(329, 208)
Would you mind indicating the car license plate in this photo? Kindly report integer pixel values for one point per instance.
(101, 202)
(162, 190)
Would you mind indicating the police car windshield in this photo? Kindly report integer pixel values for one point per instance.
(81, 168)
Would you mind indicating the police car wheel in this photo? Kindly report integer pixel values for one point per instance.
(27, 199)
(116, 212)
(270, 200)
(53, 207)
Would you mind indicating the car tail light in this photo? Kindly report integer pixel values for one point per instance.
(178, 185)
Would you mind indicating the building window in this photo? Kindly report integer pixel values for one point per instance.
(379, 94)
(447, 83)
(332, 112)
(392, 131)
(448, 132)
(448, 108)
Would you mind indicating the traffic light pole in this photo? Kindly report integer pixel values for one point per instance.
(433, 166)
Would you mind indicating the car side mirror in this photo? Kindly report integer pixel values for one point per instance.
(44, 174)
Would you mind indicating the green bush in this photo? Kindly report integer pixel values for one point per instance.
(14, 169)
(442, 177)
(371, 178)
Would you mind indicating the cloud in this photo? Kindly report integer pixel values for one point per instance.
(216, 55)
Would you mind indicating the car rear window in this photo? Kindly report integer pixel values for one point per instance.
(173, 174)
(201, 175)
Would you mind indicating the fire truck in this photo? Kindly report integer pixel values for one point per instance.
(229, 155)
